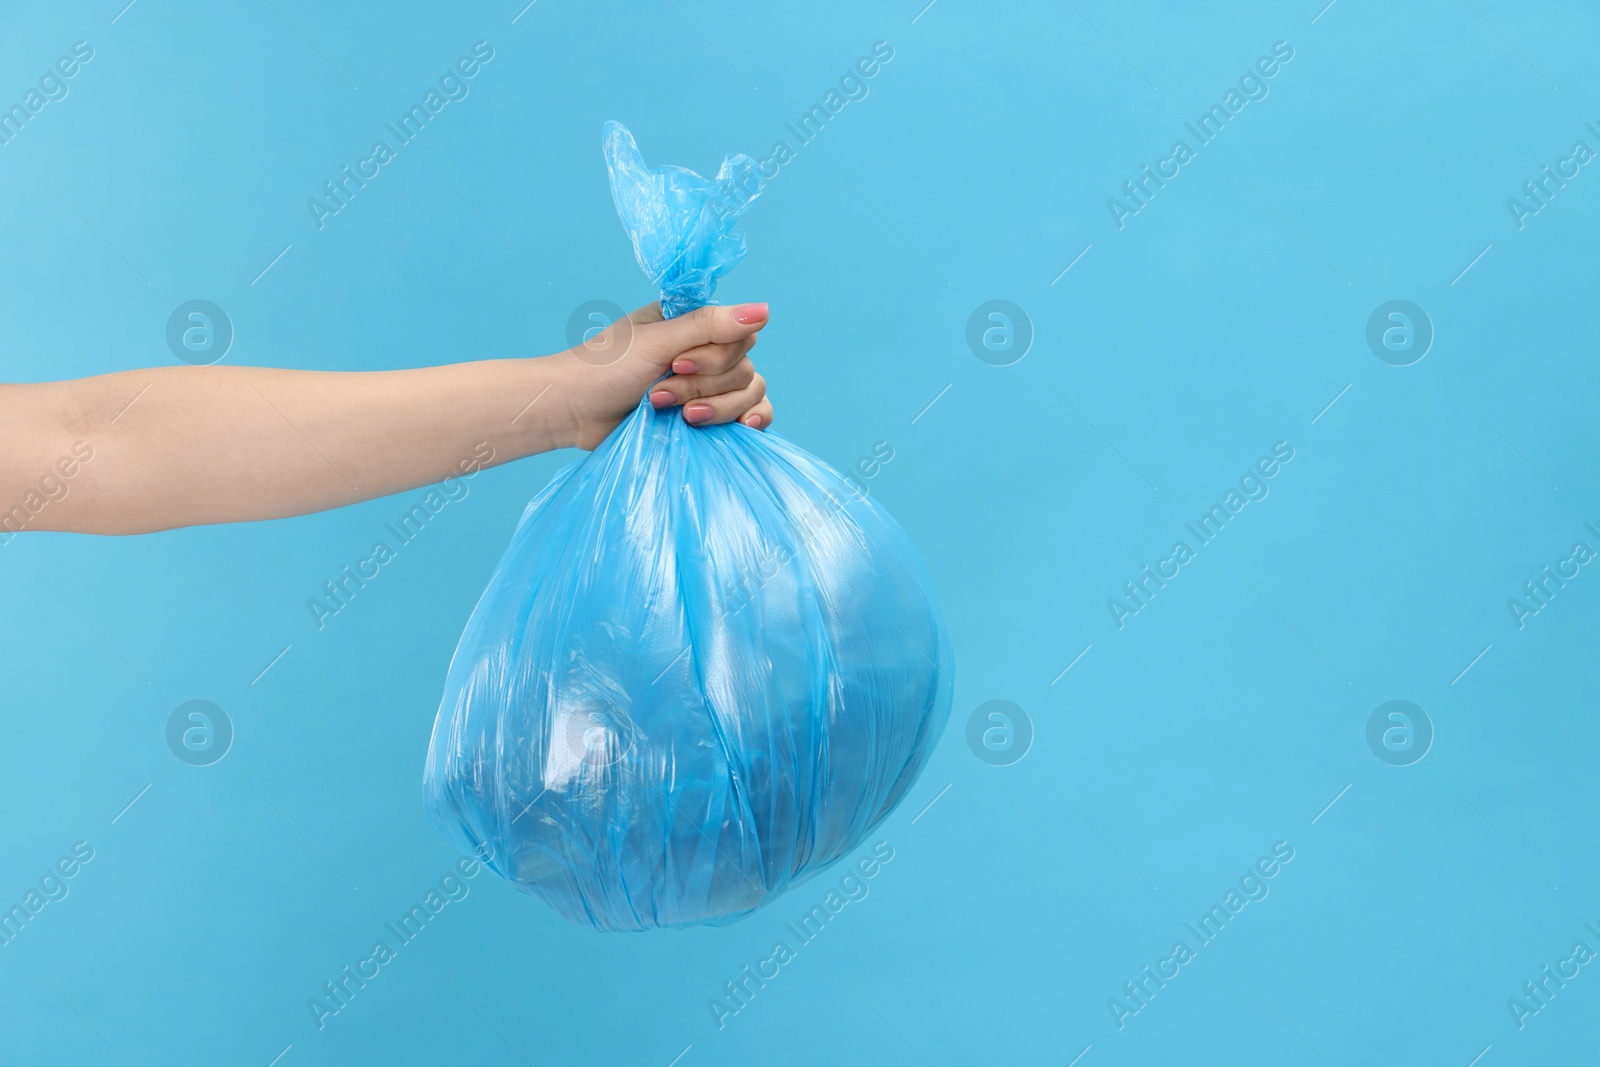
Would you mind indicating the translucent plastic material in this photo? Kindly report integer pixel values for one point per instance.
(705, 668)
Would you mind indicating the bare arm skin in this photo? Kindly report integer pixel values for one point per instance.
(184, 446)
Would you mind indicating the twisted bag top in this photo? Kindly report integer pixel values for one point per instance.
(705, 669)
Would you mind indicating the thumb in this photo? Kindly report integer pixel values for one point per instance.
(711, 325)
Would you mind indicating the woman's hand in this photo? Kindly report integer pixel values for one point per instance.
(706, 352)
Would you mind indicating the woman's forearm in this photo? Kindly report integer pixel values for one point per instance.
(181, 446)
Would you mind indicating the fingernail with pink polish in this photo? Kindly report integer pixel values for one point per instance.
(753, 421)
(662, 399)
(749, 313)
(697, 413)
(684, 366)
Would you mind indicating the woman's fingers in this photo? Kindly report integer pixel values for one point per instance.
(682, 388)
(730, 406)
(712, 377)
(758, 417)
(713, 359)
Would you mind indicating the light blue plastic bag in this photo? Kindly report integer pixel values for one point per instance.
(705, 668)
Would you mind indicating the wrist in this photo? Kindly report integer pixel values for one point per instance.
(560, 408)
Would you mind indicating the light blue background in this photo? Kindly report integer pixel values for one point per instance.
(1223, 718)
